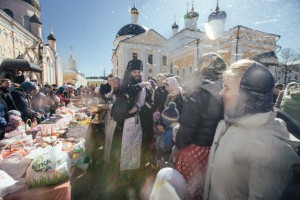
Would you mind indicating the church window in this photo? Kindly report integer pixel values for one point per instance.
(26, 22)
(134, 56)
(183, 74)
(150, 59)
(190, 70)
(164, 60)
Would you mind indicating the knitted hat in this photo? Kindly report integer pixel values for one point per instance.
(170, 114)
(28, 86)
(134, 65)
(14, 112)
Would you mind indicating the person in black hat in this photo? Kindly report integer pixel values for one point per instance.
(251, 147)
(130, 90)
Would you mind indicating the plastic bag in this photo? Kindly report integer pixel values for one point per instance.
(15, 165)
(50, 167)
(8, 184)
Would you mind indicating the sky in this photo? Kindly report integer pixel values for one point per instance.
(87, 28)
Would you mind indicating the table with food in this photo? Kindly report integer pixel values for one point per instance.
(36, 162)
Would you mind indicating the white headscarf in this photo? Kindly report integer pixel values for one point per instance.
(173, 85)
(169, 184)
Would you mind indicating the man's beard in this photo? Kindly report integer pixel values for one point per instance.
(135, 81)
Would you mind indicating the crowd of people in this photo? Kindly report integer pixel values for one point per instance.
(227, 134)
(33, 102)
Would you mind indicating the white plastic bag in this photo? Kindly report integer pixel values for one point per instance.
(8, 184)
(15, 165)
(49, 167)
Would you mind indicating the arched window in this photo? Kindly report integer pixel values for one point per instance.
(9, 12)
(26, 22)
(183, 74)
(150, 73)
(190, 70)
(177, 73)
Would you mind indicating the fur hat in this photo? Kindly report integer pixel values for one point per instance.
(258, 85)
(134, 65)
(28, 86)
(170, 114)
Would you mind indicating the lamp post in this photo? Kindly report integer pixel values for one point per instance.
(237, 43)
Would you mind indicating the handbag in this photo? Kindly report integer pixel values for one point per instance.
(120, 109)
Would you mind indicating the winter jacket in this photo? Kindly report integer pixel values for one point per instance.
(5, 94)
(291, 104)
(23, 103)
(160, 96)
(250, 159)
(3, 117)
(164, 144)
(202, 111)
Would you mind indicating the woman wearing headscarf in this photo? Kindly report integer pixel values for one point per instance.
(174, 93)
(202, 110)
(251, 153)
(61, 96)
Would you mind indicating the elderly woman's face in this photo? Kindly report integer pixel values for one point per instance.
(230, 92)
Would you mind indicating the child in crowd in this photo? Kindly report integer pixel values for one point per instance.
(164, 138)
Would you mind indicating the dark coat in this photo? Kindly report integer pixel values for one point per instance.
(201, 113)
(160, 96)
(23, 103)
(104, 89)
(3, 117)
(5, 94)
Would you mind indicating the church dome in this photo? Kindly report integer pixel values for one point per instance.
(51, 37)
(221, 15)
(175, 26)
(191, 15)
(131, 29)
(134, 10)
(34, 3)
(35, 19)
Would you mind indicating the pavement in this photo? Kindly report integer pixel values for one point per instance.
(100, 181)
